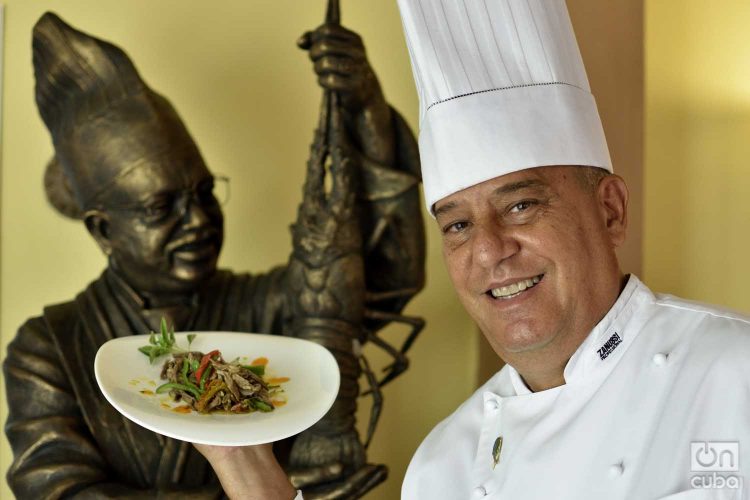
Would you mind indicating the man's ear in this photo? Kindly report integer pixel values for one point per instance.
(97, 223)
(613, 196)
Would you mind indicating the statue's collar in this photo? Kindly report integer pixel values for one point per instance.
(123, 289)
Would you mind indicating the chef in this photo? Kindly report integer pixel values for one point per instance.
(609, 391)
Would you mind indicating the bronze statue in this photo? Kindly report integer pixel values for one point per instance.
(126, 165)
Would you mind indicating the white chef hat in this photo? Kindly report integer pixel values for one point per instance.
(502, 88)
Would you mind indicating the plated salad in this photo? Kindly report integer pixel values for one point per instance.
(207, 383)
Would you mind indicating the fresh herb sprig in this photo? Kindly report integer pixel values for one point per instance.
(163, 343)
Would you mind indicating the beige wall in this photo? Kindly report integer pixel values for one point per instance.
(248, 96)
(610, 35)
(697, 224)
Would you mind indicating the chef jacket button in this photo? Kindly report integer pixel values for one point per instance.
(659, 359)
(491, 404)
(479, 492)
(616, 470)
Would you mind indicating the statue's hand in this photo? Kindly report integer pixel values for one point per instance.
(340, 62)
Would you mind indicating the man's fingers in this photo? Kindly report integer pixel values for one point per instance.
(335, 31)
(315, 475)
(305, 41)
(337, 83)
(335, 65)
(335, 48)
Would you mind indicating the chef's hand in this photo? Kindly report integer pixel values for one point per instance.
(340, 61)
(252, 472)
(248, 472)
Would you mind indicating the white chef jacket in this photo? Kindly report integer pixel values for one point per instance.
(659, 383)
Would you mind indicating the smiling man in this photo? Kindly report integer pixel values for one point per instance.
(531, 256)
(609, 390)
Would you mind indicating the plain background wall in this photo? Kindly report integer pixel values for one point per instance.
(697, 178)
(249, 97)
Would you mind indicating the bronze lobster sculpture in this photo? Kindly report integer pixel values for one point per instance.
(336, 304)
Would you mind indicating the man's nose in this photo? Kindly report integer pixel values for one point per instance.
(194, 214)
(492, 244)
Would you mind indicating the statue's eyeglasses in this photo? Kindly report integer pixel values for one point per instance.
(209, 194)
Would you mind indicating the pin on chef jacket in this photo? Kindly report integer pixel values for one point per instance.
(660, 386)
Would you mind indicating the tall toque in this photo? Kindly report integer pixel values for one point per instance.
(502, 88)
(103, 118)
(77, 75)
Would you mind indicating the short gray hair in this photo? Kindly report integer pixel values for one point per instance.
(589, 177)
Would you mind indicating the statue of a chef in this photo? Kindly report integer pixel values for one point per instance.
(127, 167)
(610, 391)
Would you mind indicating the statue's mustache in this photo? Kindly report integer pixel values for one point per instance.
(194, 237)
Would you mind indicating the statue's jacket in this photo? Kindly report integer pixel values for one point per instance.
(68, 441)
(66, 438)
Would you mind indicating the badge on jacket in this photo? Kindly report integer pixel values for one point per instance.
(496, 451)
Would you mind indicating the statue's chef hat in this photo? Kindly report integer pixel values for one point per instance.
(104, 120)
(501, 87)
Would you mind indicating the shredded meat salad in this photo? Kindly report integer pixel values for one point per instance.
(205, 382)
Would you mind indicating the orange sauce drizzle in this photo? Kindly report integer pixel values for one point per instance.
(277, 403)
(182, 409)
(260, 361)
(277, 380)
(147, 392)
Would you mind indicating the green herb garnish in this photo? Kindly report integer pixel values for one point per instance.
(163, 343)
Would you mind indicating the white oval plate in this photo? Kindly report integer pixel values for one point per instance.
(122, 372)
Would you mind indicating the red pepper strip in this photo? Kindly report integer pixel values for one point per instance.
(204, 363)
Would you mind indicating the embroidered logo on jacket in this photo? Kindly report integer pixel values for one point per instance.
(609, 346)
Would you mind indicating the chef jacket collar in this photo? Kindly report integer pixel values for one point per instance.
(606, 343)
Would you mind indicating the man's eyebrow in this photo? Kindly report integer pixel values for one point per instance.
(505, 189)
(517, 186)
(445, 208)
